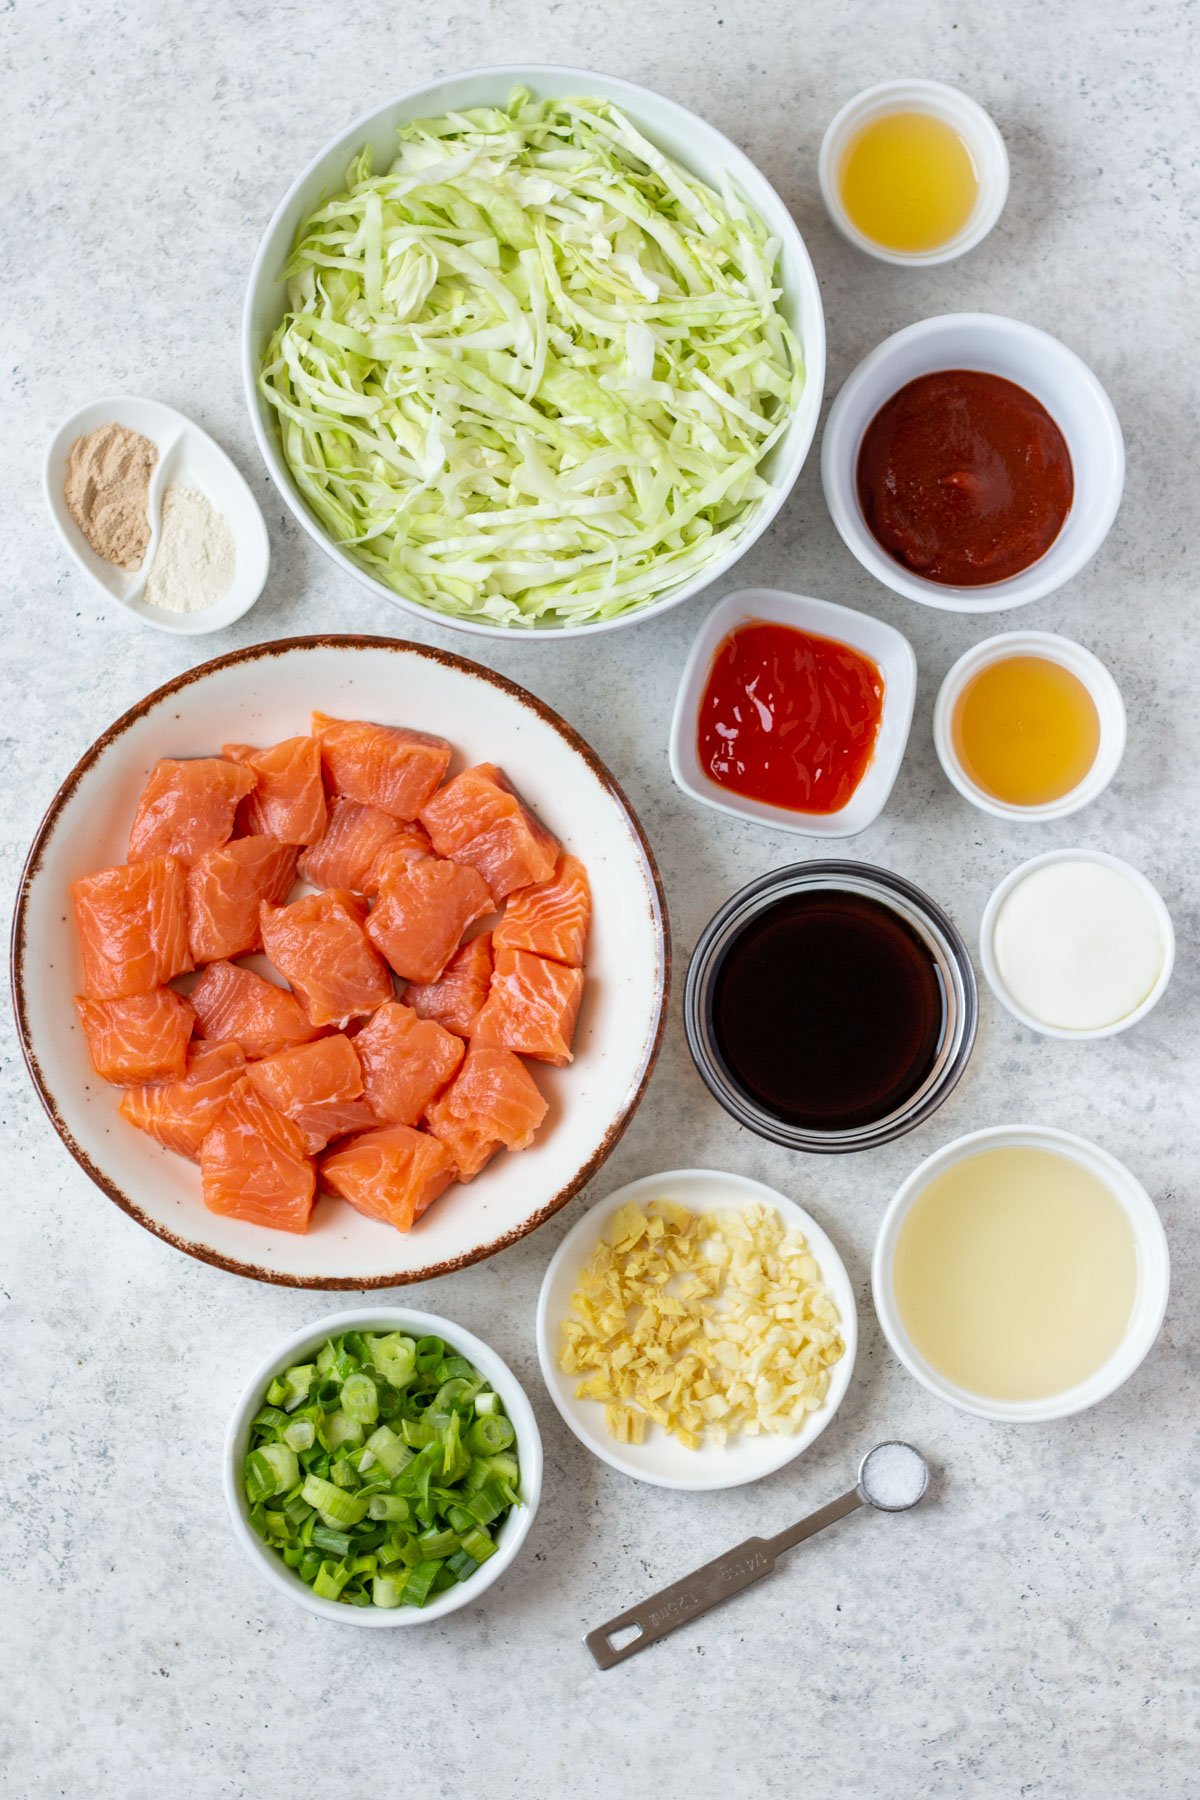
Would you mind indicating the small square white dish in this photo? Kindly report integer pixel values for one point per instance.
(189, 458)
(887, 648)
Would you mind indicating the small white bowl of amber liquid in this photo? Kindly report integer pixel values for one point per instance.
(1029, 725)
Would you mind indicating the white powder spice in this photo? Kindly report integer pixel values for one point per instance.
(193, 565)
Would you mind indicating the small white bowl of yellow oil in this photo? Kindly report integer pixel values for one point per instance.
(1029, 725)
(913, 172)
(1021, 1273)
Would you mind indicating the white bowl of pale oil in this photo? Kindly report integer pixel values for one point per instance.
(1021, 1273)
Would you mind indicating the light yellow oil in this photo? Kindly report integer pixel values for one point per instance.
(908, 182)
(1015, 1273)
(1025, 730)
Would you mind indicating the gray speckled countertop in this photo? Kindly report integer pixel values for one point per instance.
(1033, 1629)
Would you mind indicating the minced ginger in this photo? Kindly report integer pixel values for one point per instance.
(705, 1325)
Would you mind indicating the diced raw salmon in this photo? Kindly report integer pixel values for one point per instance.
(226, 887)
(253, 1164)
(288, 799)
(423, 912)
(393, 1174)
(492, 1102)
(355, 839)
(309, 1084)
(381, 765)
(132, 925)
(234, 1005)
(455, 998)
(410, 844)
(181, 1113)
(319, 944)
(330, 1119)
(480, 819)
(188, 807)
(531, 1007)
(141, 1038)
(552, 918)
(406, 1062)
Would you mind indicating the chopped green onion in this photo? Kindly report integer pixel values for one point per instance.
(487, 1402)
(338, 1543)
(331, 1578)
(387, 1590)
(332, 1502)
(388, 1450)
(387, 1506)
(360, 1399)
(300, 1434)
(490, 1434)
(478, 1544)
(420, 1580)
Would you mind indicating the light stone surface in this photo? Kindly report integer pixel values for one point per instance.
(1030, 1630)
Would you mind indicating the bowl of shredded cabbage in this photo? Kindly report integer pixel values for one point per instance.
(533, 350)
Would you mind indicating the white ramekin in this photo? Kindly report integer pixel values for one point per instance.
(957, 109)
(1045, 368)
(513, 1531)
(888, 649)
(693, 142)
(991, 969)
(1150, 1304)
(1068, 655)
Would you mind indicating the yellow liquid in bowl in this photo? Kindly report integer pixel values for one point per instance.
(1025, 730)
(1015, 1273)
(908, 182)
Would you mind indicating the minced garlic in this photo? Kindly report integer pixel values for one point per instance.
(705, 1325)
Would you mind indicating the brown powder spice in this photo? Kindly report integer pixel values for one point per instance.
(107, 491)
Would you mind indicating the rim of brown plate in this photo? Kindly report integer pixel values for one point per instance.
(279, 647)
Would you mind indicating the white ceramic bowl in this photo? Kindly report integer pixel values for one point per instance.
(189, 457)
(991, 968)
(513, 1531)
(661, 1460)
(259, 696)
(1069, 655)
(893, 655)
(691, 141)
(1045, 368)
(955, 108)
(1153, 1286)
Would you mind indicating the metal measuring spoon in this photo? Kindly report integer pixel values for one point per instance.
(891, 1477)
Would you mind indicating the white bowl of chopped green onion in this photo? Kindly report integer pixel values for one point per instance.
(383, 1467)
(533, 350)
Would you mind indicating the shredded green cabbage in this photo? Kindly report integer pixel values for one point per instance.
(529, 374)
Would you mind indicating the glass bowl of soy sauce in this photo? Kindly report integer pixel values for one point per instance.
(830, 1006)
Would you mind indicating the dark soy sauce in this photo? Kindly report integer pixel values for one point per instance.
(828, 1010)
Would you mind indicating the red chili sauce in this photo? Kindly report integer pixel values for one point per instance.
(964, 478)
(788, 718)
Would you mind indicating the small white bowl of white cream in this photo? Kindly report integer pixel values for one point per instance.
(157, 515)
(1077, 944)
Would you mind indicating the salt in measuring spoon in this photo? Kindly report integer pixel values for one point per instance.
(891, 1478)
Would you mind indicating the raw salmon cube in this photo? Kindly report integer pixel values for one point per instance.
(319, 944)
(253, 1164)
(492, 1103)
(381, 765)
(455, 998)
(393, 1174)
(188, 807)
(226, 887)
(355, 839)
(141, 1038)
(132, 925)
(531, 1007)
(288, 799)
(330, 1119)
(406, 1062)
(306, 1084)
(480, 819)
(234, 1005)
(410, 843)
(423, 912)
(552, 918)
(181, 1113)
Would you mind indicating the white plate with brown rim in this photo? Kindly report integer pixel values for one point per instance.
(261, 695)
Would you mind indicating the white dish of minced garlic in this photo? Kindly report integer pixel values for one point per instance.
(696, 1329)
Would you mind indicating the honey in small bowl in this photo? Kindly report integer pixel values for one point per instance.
(1025, 730)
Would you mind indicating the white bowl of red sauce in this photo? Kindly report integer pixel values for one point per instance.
(973, 463)
(793, 712)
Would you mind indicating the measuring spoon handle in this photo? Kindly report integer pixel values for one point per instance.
(706, 1587)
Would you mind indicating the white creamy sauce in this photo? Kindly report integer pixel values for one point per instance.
(1077, 945)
